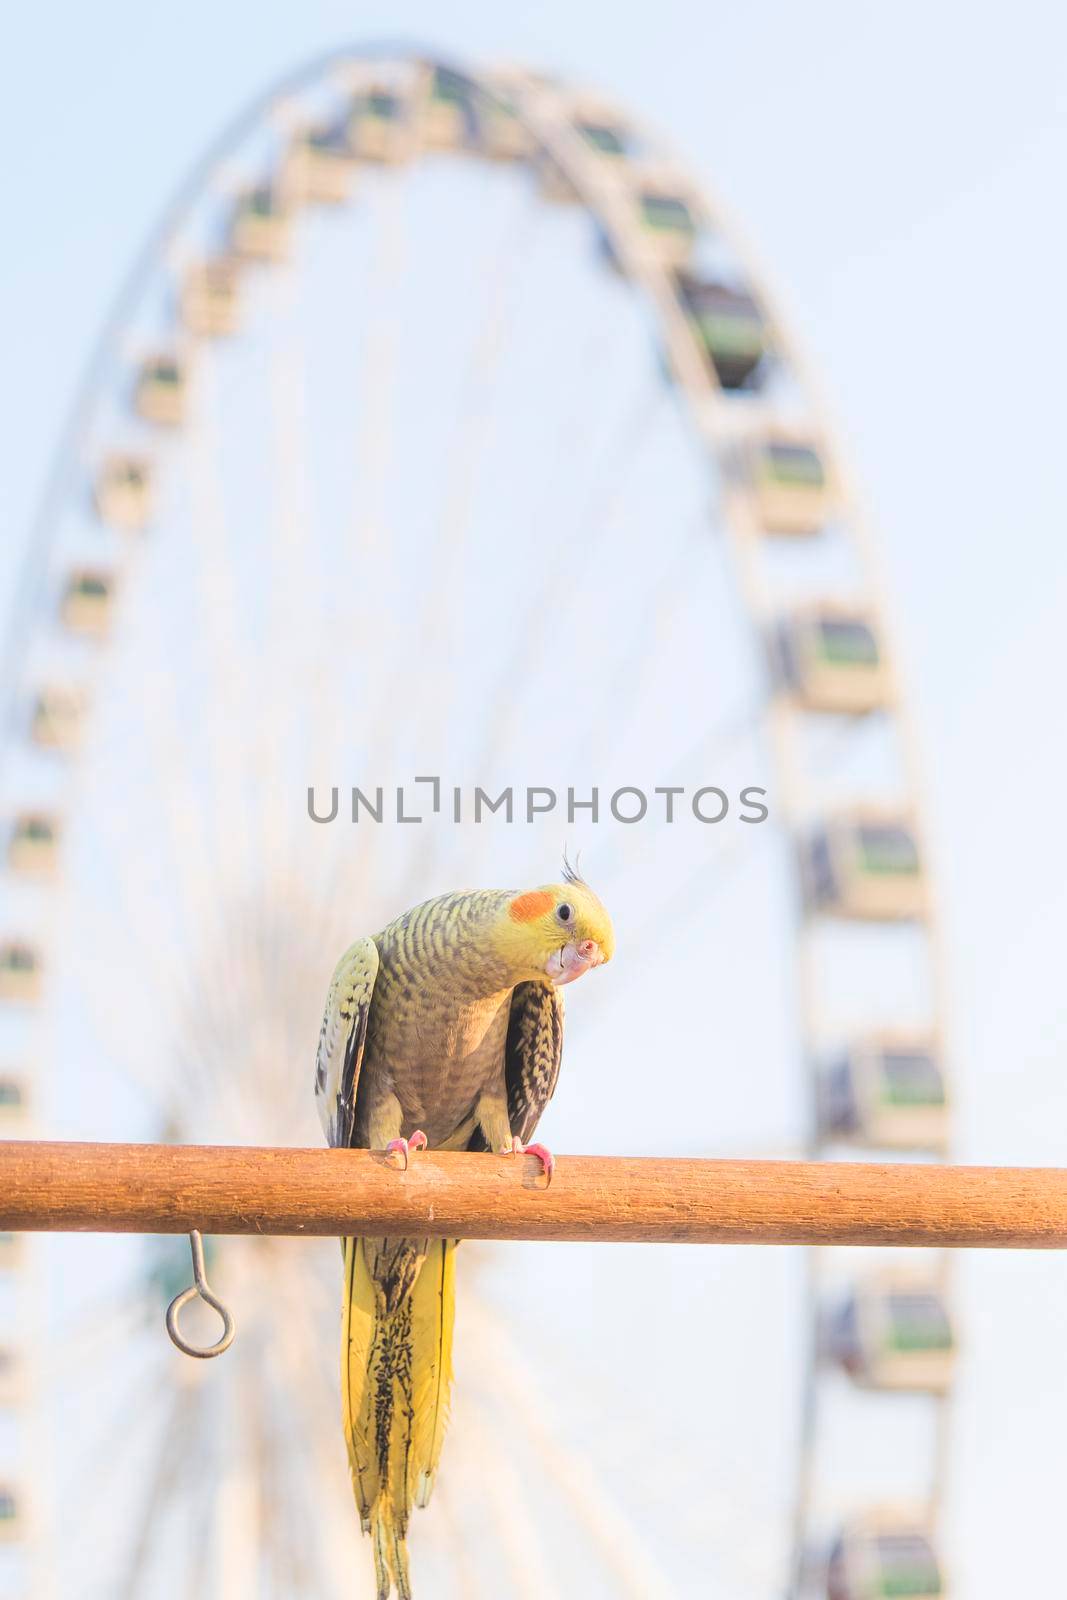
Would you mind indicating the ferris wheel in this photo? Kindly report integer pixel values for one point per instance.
(443, 429)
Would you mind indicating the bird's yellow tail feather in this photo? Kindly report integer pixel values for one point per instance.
(433, 1304)
(396, 1374)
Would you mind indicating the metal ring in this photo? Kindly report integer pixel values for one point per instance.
(201, 1287)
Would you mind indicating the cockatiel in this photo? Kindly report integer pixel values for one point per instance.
(446, 1030)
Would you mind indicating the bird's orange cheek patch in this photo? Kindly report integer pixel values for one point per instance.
(527, 907)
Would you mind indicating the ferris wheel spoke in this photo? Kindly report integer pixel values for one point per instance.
(219, 937)
(305, 1561)
(293, 584)
(202, 1520)
(529, 1576)
(360, 604)
(163, 1484)
(328, 1505)
(471, 428)
(163, 735)
(676, 911)
(636, 1571)
(155, 962)
(625, 678)
(198, 873)
(221, 636)
(461, 1563)
(126, 851)
(137, 1417)
(116, 1318)
(472, 432)
(599, 511)
(601, 501)
(257, 1399)
(627, 851)
(433, 690)
(172, 1062)
(137, 1061)
(171, 1068)
(299, 1502)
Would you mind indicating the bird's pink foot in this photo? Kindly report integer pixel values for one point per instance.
(545, 1156)
(398, 1151)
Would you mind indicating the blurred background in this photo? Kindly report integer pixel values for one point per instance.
(555, 398)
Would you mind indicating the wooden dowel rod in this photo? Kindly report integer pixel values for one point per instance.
(142, 1188)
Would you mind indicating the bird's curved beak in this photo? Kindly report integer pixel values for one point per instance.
(571, 960)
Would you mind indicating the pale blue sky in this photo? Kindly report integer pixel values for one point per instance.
(899, 172)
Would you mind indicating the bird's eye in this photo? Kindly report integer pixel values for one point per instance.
(565, 912)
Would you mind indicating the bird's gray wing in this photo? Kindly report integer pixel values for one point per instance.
(532, 1054)
(342, 1040)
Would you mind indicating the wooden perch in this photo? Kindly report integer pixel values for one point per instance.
(143, 1188)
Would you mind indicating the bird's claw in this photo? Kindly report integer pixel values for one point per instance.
(398, 1151)
(543, 1154)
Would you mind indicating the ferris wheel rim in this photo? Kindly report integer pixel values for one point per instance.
(710, 411)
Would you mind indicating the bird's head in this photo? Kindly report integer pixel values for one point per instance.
(557, 932)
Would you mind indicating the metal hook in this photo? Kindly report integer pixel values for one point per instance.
(202, 1288)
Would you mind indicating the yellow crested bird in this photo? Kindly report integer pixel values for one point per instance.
(445, 1029)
